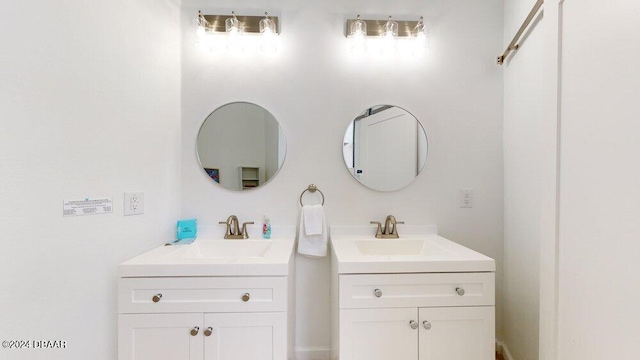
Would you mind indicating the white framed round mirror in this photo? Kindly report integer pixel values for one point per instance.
(241, 146)
(385, 148)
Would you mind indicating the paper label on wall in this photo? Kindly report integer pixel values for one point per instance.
(87, 207)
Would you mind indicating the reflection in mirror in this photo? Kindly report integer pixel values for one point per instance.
(241, 146)
(385, 148)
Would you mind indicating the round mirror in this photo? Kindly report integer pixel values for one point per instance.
(241, 146)
(385, 148)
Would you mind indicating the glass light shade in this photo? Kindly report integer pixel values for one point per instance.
(232, 25)
(358, 33)
(420, 38)
(268, 31)
(389, 37)
(201, 27)
(267, 26)
(234, 30)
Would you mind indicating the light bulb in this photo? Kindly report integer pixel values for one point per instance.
(201, 25)
(200, 32)
(268, 31)
(389, 37)
(234, 30)
(420, 38)
(358, 34)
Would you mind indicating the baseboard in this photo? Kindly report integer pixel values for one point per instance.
(313, 353)
(504, 350)
(324, 353)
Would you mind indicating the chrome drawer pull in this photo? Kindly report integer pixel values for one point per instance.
(377, 292)
(427, 325)
(413, 324)
(460, 291)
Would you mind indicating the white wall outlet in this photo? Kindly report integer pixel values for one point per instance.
(133, 203)
(466, 198)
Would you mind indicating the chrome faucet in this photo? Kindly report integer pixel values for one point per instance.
(390, 230)
(233, 228)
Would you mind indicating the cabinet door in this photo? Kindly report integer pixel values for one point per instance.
(159, 336)
(457, 333)
(246, 336)
(378, 334)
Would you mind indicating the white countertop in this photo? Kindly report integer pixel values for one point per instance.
(434, 254)
(216, 257)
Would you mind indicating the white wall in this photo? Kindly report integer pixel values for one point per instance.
(315, 88)
(599, 193)
(90, 107)
(523, 141)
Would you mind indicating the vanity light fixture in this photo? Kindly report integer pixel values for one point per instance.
(388, 36)
(236, 28)
(420, 36)
(358, 34)
(202, 27)
(269, 31)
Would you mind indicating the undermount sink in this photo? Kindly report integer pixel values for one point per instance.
(227, 249)
(419, 249)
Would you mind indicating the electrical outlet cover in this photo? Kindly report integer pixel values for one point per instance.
(133, 203)
(466, 198)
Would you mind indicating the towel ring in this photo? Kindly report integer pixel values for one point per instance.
(312, 188)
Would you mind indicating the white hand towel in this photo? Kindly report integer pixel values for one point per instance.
(313, 219)
(312, 245)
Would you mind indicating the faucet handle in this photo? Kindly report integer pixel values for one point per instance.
(395, 227)
(379, 231)
(228, 231)
(244, 229)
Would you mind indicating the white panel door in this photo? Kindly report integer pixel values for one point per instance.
(159, 336)
(246, 336)
(378, 334)
(386, 149)
(457, 333)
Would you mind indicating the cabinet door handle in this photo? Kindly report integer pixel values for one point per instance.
(194, 331)
(156, 298)
(413, 324)
(377, 292)
(427, 325)
(208, 331)
(460, 291)
(246, 297)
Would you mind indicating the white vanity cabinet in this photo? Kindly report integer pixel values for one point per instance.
(195, 318)
(172, 306)
(421, 297)
(462, 333)
(159, 336)
(211, 336)
(448, 316)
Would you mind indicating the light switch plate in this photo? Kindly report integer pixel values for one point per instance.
(133, 203)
